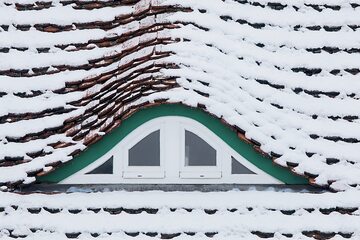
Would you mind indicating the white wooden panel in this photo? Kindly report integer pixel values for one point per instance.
(142, 175)
(200, 175)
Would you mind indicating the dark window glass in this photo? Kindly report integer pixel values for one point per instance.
(238, 168)
(147, 151)
(105, 168)
(198, 152)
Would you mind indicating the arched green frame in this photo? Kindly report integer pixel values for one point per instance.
(142, 116)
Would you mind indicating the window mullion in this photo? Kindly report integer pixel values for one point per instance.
(171, 149)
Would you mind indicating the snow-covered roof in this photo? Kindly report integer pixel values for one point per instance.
(284, 74)
(181, 215)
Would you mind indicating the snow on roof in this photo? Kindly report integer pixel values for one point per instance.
(284, 73)
(181, 215)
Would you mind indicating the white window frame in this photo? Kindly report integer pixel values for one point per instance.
(201, 172)
(82, 178)
(172, 168)
(146, 172)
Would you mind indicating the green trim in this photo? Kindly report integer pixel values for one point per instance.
(142, 116)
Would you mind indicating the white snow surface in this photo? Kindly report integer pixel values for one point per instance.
(237, 214)
(226, 60)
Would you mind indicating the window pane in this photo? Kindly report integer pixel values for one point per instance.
(147, 151)
(105, 168)
(238, 168)
(198, 152)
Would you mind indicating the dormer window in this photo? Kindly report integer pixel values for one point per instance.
(238, 168)
(142, 158)
(200, 158)
(105, 168)
(171, 150)
(146, 153)
(198, 152)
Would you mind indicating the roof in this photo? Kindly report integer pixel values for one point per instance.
(284, 74)
(181, 215)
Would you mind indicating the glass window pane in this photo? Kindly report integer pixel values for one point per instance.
(198, 152)
(147, 151)
(105, 168)
(238, 168)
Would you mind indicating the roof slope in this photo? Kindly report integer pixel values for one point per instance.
(284, 74)
(181, 215)
(72, 69)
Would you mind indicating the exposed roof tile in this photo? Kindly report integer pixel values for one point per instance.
(281, 71)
